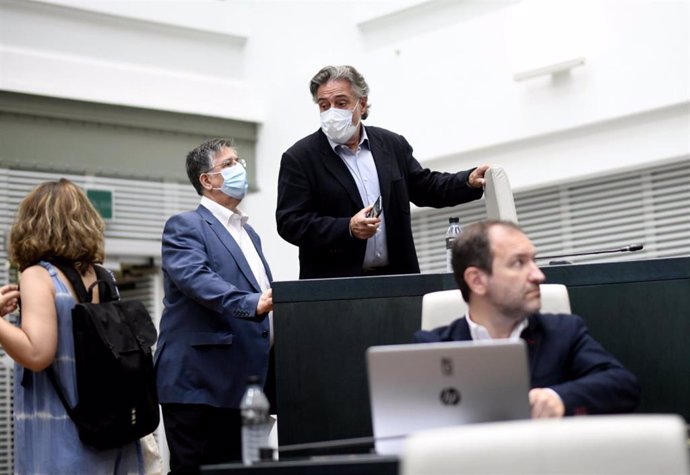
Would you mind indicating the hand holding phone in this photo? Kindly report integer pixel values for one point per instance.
(375, 211)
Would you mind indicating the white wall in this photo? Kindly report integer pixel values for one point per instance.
(441, 73)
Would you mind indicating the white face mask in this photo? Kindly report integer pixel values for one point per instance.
(337, 124)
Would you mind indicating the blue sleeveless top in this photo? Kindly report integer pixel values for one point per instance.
(45, 438)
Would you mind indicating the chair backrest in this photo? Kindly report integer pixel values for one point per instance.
(498, 195)
(636, 443)
(441, 308)
(554, 298)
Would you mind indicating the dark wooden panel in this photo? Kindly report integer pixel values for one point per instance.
(321, 367)
(646, 325)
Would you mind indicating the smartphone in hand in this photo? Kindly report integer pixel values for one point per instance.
(375, 211)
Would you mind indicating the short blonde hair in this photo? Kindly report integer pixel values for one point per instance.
(57, 220)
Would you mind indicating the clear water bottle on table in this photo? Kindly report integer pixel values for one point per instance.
(453, 232)
(256, 422)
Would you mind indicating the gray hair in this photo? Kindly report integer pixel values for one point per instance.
(200, 160)
(346, 73)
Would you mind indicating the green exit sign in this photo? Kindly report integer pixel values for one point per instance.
(102, 200)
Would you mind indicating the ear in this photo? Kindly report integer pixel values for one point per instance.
(205, 180)
(363, 105)
(476, 280)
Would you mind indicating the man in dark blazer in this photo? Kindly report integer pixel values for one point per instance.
(215, 331)
(571, 373)
(329, 180)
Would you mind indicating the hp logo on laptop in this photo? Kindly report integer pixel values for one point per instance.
(450, 396)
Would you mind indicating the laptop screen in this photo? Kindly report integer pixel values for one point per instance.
(423, 386)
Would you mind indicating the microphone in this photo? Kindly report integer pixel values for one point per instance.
(628, 248)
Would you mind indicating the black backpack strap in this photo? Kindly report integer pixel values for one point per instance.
(58, 389)
(108, 291)
(73, 276)
(83, 296)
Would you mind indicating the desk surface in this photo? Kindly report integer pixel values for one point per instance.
(359, 464)
(323, 290)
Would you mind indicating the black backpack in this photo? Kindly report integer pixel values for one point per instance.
(116, 389)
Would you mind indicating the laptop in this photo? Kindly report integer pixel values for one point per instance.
(428, 385)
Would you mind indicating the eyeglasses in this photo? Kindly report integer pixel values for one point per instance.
(230, 162)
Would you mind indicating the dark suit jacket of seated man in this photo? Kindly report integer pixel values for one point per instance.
(329, 180)
(571, 373)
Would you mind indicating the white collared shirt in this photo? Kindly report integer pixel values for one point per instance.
(234, 222)
(479, 332)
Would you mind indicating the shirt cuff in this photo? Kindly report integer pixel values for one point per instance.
(553, 391)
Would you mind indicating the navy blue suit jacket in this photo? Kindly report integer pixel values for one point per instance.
(210, 338)
(317, 196)
(564, 357)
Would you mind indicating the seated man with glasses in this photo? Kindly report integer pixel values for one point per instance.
(215, 328)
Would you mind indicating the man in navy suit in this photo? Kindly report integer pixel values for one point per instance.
(571, 373)
(215, 328)
(329, 180)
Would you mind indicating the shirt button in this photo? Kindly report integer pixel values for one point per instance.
(264, 334)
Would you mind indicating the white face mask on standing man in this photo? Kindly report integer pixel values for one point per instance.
(337, 124)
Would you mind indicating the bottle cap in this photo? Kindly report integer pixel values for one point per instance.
(453, 220)
(266, 454)
(253, 379)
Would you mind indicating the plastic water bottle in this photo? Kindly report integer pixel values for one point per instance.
(452, 233)
(254, 408)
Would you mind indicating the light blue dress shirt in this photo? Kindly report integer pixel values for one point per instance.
(363, 170)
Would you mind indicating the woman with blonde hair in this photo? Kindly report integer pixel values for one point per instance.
(56, 221)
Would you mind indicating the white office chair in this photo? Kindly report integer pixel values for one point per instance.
(441, 308)
(629, 444)
(498, 195)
